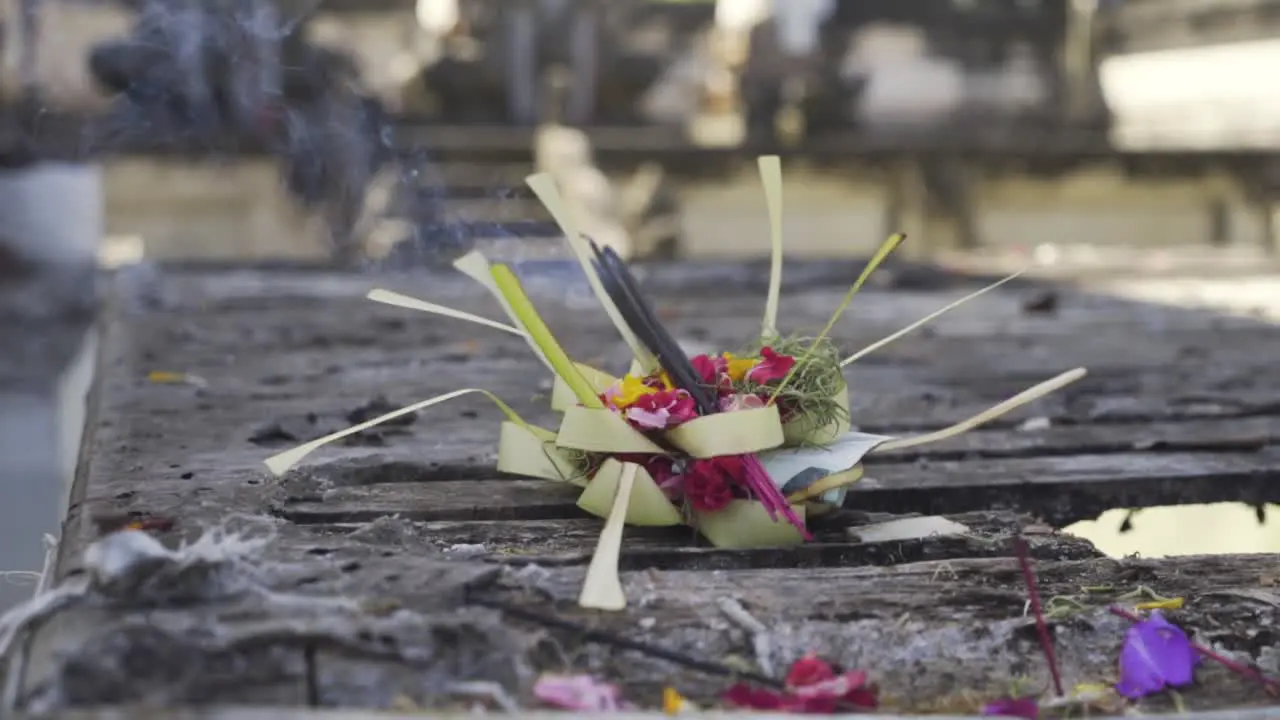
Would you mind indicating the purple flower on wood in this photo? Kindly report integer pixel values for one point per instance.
(1023, 707)
(1155, 655)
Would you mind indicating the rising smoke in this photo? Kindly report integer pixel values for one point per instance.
(216, 76)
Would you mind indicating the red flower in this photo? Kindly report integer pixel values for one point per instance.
(706, 485)
(661, 410)
(708, 368)
(662, 469)
(729, 465)
(745, 696)
(809, 670)
(813, 687)
(713, 372)
(772, 367)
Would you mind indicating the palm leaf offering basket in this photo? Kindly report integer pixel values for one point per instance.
(742, 446)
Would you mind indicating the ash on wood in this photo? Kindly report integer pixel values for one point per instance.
(429, 552)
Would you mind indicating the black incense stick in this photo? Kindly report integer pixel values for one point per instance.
(622, 288)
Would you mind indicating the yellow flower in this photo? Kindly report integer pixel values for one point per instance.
(629, 390)
(665, 379)
(1087, 689)
(673, 703)
(739, 367)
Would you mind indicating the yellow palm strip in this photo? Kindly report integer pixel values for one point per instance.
(926, 319)
(279, 464)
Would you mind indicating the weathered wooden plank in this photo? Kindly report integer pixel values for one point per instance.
(1218, 435)
(695, 293)
(939, 636)
(468, 453)
(102, 668)
(885, 399)
(1202, 374)
(365, 562)
(1029, 343)
(275, 676)
(375, 573)
(443, 500)
(1060, 488)
(1220, 356)
(86, 657)
(272, 346)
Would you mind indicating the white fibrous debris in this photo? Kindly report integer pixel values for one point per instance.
(467, 549)
(122, 555)
(132, 566)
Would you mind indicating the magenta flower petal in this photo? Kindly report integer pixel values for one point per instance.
(752, 698)
(1023, 707)
(648, 419)
(578, 692)
(767, 493)
(1155, 655)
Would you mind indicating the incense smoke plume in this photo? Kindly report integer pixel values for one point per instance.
(224, 76)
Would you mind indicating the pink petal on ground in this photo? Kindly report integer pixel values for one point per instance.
(753, 698)
(578, 692)
(1023, 707)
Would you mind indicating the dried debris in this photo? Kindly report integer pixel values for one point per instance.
(141, 594)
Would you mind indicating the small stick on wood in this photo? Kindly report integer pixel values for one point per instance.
(1023, 554)
(760, 642)
(614, 640)
(486, 690)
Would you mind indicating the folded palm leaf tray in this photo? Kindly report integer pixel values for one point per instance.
(741, 446)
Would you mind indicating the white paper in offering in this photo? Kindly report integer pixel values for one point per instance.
(794, 469)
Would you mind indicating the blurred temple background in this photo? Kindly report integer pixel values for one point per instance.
(394, 133)
(970, 122)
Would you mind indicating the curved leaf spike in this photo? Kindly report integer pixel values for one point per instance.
(545, 188)
(280, 463)
(509, 285)
(603, 589)
(388, 297)
(1031, 394)
(771, 178)
(475, 266)
(927, 318)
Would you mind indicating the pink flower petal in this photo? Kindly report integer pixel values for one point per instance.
(834, 688)
(612, 392)
(732, 403)
(577, 692)
(648, 419)
(1023, 707)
